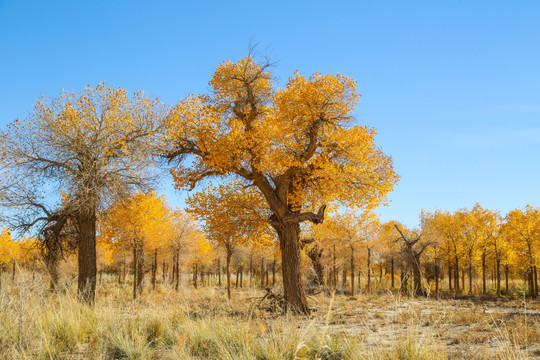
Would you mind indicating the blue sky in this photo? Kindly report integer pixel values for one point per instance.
(452, 87)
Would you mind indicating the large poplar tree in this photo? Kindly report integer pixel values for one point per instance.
(298, 146)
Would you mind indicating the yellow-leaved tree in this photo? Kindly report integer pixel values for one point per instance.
(232, 216)
(297, 146)
(138, 223)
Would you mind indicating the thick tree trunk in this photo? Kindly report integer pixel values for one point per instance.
(293, 286)
(87, 260)
(52, 267)
(417, 275)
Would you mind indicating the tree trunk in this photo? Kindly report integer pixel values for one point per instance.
(352, 271)
(484, 274)
(228, 265)
(436, 280)
(177, 271)
(135, 272)
(164, 271)
(173, 269)
(195, 276)
(506, 278)
(52, 267)
(456, 276)
(449, 277)
(262, 271)
(219, 272)
(498, 265)
(334, 272)
(417, 275)
(274, 272)
(241, 275)
(369, 270)
(391, 271)
(154, 271)
(13, 270)
(140, 269)
(251, 269)
(237, 276)
(293, 286)
(87, 260)
(535, 282)
(470, 273)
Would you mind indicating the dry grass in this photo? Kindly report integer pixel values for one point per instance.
(203, 324)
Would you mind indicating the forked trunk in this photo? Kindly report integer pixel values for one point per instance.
(293, 286)
(87, 261)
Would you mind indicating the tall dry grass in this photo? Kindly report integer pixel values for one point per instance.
(203, 324)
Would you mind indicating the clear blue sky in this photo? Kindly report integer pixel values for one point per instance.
(453, 87)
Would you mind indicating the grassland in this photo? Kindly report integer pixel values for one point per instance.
(203, 324)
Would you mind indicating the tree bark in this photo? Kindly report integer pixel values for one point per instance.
(449, 277)
(484, 274)
(87, 260)
(262, 271)
(369, 270)
(506, 278)
(154, 271)
(219, 272)
(392, 271)
(52, 267)
(228, 265)
(135, 260)
(436, 280)
(352, 271)
(177, 271)
(140, 269)
(274, 272)
(195, 275)
(470, 273)
(293, 286)
(498, 265)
